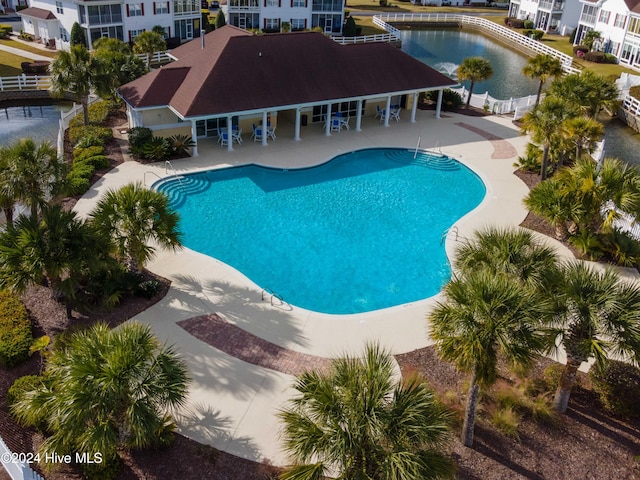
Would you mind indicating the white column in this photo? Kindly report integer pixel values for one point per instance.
(264, 128)
(359, 116)
(439, 103)
(229, 134)
(327, 127)
(387, 111)
(297, 129)
(194, 136)
(414, 107)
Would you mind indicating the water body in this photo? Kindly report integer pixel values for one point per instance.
(37, 121)
(444, 50)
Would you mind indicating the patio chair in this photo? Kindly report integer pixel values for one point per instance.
(237, 136)
(395, 114)
(223, 140)
(344, 121)
(379, 112)
(257, 134)
(336, 125)
(271, 133)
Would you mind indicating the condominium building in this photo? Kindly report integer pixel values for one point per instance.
(556, 16)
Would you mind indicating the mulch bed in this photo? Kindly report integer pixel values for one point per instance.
(588, 443)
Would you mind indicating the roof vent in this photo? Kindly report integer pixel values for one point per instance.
(260, 54)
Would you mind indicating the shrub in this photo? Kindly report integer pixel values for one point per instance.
(98, 162)
(552, 375)
(535, 34)
(22, 385)
(107, 287)
(138, 137)
(76, 133)
(76, 185)
(532, 159)
(80, 153)
(618, 385)
(98, 113)
(180, 144)
(516, 23)
(596, 57)
(450, 100)
(580, 48)
(15, 330)
(507, 420)
(89, 141)
(5, 30)
(528, 24)
(507, 20)
(147, 289)
(158, 148)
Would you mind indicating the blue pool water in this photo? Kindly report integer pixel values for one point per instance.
(359, 233)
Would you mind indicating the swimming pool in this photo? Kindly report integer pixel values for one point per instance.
(359, 233)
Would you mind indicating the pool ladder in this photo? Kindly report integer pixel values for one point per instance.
(446, 233)
(273, 295)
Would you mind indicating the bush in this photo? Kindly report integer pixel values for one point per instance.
(147, 289)
(515, 23)
(552, 375)
(15, 330)
(528, 24)
(76, 185)
(507, 420)
(580, 48)
(107, 287)
(532, 160)
(89, 141)
(22, 385)
(158, 148)
(596, 57)
(138, 137)
(450, 100)
(98, 113)
(618, 385)
(77, 133)
(180, 145)
(80, 153)
(99, 162)
(5, 30)
(535, 34)
(610, 58)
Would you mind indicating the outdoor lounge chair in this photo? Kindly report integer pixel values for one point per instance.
(336, 124)
(271, 133)
(379, 112)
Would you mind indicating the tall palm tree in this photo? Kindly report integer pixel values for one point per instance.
(600, 318)
(7, 197)
(118, 65)
(358, 422)
(542, 67)
(485, 315)
(149, 42)
(57, 248)
(132, 217)
(74, 71)
(107, 389)
(583, 132)
(33, 173)
(588, 91)
(543, 123)
(474, 69)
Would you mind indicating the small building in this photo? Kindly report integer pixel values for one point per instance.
(555, 16)
(618, 22)
(234, 78)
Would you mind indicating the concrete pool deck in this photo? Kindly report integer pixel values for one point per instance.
(240, 349)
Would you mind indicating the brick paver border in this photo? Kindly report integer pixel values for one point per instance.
(217, 332)
(501, 148)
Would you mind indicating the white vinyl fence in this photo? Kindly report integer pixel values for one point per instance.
(17, 470)
(25, 82)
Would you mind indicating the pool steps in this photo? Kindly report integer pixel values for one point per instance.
(432, 160)
(188, 185)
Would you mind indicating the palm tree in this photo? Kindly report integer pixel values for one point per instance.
(118, 66)
(590, 38)
(149, 42)
(549, 200)
(543, 123)
(7, 198)
(132, 217)
(583, 132)
(542, 67)
(587, 91)
(107, 389)
(510, 251)
(356, 421)
(33, 173)
(485, 315)
(74, 71)
(474, 69)
(57, 248)
(600, 318)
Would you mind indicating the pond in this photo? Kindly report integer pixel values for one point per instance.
(444, 50)
(37, 121)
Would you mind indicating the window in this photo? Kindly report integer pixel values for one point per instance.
(59, 8)
(101, 14)
(64, 35)
(620, 20)
(613, 48)
(604, 16)
(634, 25)
(299, 3)
(298, 24)
(271, 3)
(271, 24)
(135, 10)
(134, 33)
(186, 7)
(160, 8)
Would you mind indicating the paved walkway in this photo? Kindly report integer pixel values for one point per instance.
(24, 53)
(240, 349)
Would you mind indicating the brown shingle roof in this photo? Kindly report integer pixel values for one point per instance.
(40, 13)
(237, 71)
(633, 5)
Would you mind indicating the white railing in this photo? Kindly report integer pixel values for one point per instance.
(382, 37)
(155, 58)
(25, 82)
(631, 105)
(65, 119)
(517, 106)
(16, 470)
(482, 23)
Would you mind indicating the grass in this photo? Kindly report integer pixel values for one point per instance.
(27, 48)
(403, 7)
(10, 64)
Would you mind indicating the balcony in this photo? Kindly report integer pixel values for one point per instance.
(243, 5)
(588, 19)
(552, 6)
(104, 19)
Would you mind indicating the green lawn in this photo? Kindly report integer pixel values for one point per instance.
(28, 48)
(10, 64)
